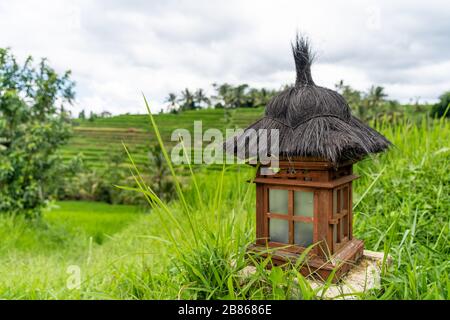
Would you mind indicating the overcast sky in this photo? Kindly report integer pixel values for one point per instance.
(116, 49)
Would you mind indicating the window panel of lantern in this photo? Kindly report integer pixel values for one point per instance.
(278, 201)
(291, 214)
(303, 233)
(304, 203)
(279, 230)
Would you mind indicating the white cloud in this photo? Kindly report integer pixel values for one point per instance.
(117, 49)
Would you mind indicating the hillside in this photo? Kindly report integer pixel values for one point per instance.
(97, 139)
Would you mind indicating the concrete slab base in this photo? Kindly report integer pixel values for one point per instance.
(364, 276)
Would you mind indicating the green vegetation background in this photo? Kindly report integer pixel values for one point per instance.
(125, 252)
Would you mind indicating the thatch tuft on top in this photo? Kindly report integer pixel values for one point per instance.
(312, 121)
(303, 58)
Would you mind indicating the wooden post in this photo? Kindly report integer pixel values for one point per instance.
(260, 234)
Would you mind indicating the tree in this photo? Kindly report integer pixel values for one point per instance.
(105, 114)
(375, 97)
(352, 96)
(442, 107)
(187, 100)
(366, 105)
(240, 98)
(259, 97)
(224, 95)
(200, 98)
(92, 116)
(172, 99)
(82, 115)
(33, 125)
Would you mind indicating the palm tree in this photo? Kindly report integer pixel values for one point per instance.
(221, 95)
(172, 99)
(200, 98)
(374, 100)
(353, 98)
(187, 100)
(239, 96)
(376, 95)
(257, 97)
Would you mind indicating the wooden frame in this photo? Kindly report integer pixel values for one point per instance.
(341, 217)
(329, 211)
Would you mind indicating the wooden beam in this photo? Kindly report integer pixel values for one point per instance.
(314, 184)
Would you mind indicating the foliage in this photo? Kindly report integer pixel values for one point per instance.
(97, 184)
(406, 213)
(161, 181)
(201, 99)
(172, 99)
(187, 100)
(366, 105)
(82, 115)
(33, 125)
(441, 108)
(124, 255)
(93, 116)
(371, 104)
(226, 96)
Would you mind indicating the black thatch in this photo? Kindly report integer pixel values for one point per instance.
(312, 121)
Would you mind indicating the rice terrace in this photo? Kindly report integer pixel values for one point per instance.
(94, 204)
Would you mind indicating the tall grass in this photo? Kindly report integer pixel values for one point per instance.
(209, 243)
(407, 212)
(400, 200)
(195, 248)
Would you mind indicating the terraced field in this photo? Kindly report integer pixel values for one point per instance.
(98, 139)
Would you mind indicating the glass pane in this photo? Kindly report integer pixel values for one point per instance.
(278, 201)
(304, 203)
(334, 202)
(279, 230)
(303, 234)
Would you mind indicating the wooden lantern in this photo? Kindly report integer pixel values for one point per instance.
(307, 202)
(307, 198)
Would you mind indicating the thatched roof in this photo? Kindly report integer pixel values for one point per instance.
(313, 121)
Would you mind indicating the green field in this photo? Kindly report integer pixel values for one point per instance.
(196, 249)
(98, 138)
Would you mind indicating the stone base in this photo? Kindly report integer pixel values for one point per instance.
(365, 275)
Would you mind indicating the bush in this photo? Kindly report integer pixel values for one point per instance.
(32, 127)
(440, 107)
